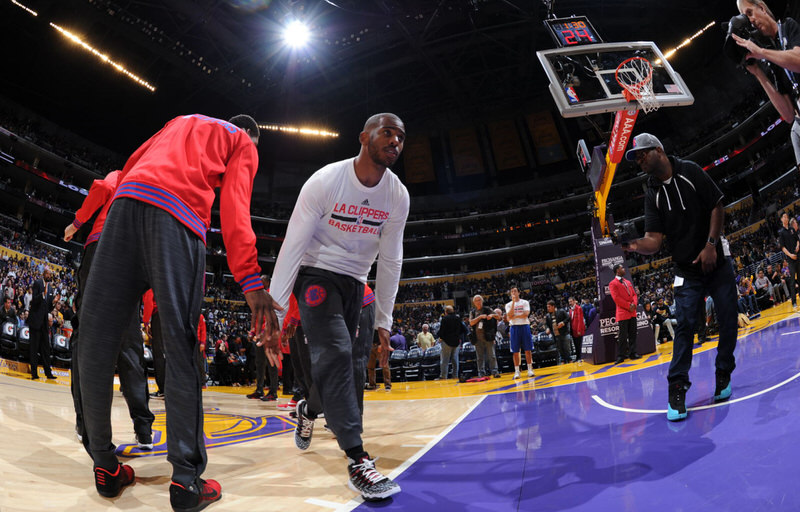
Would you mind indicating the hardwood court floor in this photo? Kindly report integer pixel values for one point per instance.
(44, 467)
(575, 437)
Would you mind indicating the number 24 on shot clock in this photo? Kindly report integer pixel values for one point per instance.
(572, 31)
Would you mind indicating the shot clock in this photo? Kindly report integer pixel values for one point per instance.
(572, 31)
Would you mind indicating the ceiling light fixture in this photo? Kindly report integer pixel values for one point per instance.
(296, 34)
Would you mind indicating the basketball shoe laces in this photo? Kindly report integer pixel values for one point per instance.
(306, 425)
(367, 470)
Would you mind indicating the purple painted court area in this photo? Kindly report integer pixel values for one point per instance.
(559, 449)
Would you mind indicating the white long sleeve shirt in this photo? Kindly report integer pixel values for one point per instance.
(340, 225)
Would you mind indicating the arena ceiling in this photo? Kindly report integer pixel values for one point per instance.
(432, 61)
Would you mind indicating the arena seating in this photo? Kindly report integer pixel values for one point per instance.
(431, 363)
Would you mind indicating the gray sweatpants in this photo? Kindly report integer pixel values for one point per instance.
(330, 307)
(145, 247)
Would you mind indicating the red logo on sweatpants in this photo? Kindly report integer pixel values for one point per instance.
(315, 295)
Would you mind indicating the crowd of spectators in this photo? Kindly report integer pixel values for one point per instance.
(17, 275)
(53, 140)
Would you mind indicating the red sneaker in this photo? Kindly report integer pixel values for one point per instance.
(110, 484)
(194, 497)
(288, 406)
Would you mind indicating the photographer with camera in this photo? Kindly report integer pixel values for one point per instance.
(770, 43)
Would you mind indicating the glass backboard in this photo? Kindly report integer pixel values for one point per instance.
(582, 78)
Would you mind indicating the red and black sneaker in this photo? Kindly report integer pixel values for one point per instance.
(194, 497)
(110, 484)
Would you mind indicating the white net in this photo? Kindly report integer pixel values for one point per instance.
(635, 76)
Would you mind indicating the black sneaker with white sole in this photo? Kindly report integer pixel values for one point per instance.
(144, 441)
(305, 426)
(367, 481)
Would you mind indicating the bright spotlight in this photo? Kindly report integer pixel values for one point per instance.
(296, 34)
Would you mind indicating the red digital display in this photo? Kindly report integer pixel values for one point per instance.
(572, 31)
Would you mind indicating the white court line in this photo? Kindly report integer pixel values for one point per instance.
(699, 408)
(405, 465)
(786, 333)
(323, 503)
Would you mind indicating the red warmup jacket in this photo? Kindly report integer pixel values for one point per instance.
(623, 297)
(178, 170)
(578, 326)
(99, 198)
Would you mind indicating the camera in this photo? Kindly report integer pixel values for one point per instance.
(624, 233)
(742, 27)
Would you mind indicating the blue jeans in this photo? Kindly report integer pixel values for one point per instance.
(449, 354)
(748, 304)
(721, 286)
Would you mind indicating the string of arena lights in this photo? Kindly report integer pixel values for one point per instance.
(301, 130)
(688, 40)
(102, 56)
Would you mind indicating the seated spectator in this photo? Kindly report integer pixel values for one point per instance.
(7, 312)
(780, 292)
(22, 319)
(763, 290)
(662, 318)
(747, 297)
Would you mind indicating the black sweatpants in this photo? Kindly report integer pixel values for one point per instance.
(145, 247)
(330, 307)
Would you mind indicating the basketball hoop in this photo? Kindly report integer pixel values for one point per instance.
(635, 75)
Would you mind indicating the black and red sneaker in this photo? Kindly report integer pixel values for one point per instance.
(368, 481)
(194, 497)
(109, 484)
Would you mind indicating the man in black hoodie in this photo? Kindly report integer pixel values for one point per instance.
(684, 205)
(450, 333)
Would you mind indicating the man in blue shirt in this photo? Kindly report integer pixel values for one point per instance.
(398, 341)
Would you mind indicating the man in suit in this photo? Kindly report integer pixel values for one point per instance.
(624, 295)
(41, 303)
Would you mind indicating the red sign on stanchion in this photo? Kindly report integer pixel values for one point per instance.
(621, 134)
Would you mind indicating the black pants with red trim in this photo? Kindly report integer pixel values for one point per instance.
(145, 247)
